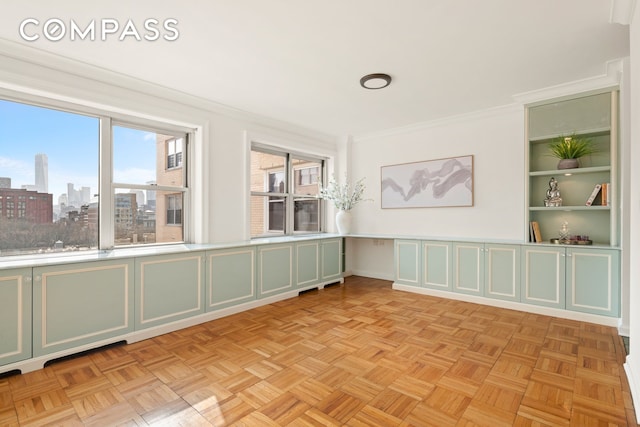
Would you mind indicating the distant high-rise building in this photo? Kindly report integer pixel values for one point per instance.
(42, 173)
(5, 182)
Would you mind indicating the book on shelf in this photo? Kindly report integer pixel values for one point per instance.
(537, 235)
(594, 194)
(606, 194)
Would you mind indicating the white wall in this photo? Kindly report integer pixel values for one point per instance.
(632, 365)
(496, 140)
(220, 185)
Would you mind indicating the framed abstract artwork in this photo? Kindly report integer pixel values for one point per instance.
(427, 184)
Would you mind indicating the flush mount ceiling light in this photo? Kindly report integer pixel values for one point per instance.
(375, 81)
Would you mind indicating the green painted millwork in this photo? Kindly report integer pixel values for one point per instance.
(331, 259)
(407, 262)
(15, 315)
(543, 280)
(307, 263)
(230, 277)
(502, 272)
(275, 269)
(436, 265)
(77, 304)
(593, 281)
(568, 116)
(168, 288)
(468, 261)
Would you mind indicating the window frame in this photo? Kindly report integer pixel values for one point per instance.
(289, 195)
(105, 190)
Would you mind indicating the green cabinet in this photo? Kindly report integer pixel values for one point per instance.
(436, 265)
(15, 315)
(487, 269)
(578, 279)
(307, 263)
(592, 281)
(79, 304)
(169, 288)
(231, 277)
(468, 268)
(331, 259)
(502, 271)
(407, 262)
(275, 269)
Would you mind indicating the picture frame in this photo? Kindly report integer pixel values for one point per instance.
(444, 182)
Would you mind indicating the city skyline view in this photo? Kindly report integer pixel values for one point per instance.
(71, 143)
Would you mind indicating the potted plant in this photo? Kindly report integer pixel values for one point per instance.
(569, 149)
(344, 197)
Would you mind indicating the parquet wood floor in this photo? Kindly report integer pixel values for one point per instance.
(358, 354)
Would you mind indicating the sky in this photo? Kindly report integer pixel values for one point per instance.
(71, 143)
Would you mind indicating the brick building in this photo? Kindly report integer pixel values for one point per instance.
(26, 204)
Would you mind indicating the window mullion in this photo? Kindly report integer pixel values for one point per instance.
(106, 191)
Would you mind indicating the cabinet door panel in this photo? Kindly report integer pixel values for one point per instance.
(331, 259)
(407, 260)
(15, 315)
(592, 281)
(230, 278)
(275, 269)
(169, 288)
(436, 265)
(502, 272)
(543, 272)
(77, 304)
(307, 263)
(468, 268)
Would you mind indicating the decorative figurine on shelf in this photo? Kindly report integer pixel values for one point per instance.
(564, 231)
(553, 194)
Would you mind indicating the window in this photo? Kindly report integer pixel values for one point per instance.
(174, 209)
(174, 153)
(151, 183)
(284, 189)
(53, 192)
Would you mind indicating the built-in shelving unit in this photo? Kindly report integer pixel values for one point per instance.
(592, 116)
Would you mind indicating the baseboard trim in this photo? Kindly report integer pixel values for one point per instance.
(547, 311)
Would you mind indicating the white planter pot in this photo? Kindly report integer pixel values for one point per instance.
(343, 222)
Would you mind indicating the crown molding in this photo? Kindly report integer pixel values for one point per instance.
(445, 121)
(622, 11)
(31, 56)
(610, 80)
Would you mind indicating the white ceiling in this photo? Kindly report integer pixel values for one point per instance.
(300, 61)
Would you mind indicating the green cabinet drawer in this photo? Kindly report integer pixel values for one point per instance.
(231, 277)
(169, 288)
(78, 304)
(275, 269)
(15, 315)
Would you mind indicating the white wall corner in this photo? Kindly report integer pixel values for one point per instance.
(632, 370)
(622, 11)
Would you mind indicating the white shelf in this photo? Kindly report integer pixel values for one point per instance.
(571, 171)
(570, 208)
